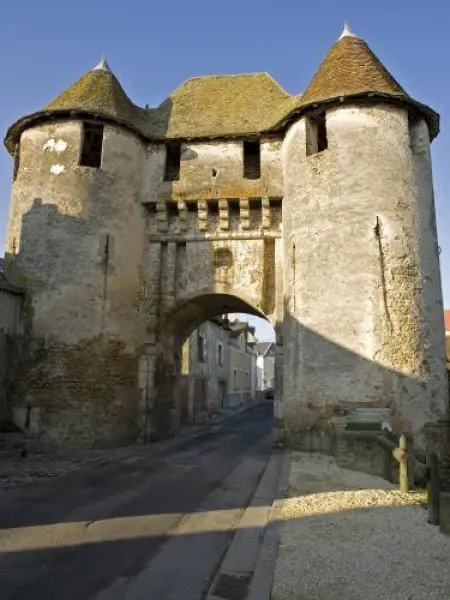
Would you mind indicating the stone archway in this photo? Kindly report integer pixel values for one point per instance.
(158, 364)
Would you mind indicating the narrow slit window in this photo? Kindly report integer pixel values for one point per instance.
(201, 348)
(252, 160)
(16, 164)
(316, 134)
(173, 160)
(92, 145)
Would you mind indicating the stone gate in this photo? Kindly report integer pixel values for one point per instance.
(130, 226)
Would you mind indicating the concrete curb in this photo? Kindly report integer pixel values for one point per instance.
(244, 553)
(261, 583)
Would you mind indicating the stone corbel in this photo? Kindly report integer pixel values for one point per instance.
(224, 221)
(244, 214)
(266, 213)
(161, 217)
(202, 215)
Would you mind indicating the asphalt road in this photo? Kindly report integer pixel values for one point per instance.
(152, 526)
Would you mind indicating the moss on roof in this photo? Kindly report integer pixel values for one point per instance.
(99, 92)
(224, 105)
(228, 105)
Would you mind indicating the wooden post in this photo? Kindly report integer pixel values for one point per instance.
(417, 469)
(403, 460)
(410, 461)
(433, 488)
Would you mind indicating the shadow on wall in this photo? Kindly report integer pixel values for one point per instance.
(98, 380)
(323, 380)
(86, 391)
(79, 376)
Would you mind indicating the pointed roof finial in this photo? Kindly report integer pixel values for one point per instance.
(102, 65)
(347, 32)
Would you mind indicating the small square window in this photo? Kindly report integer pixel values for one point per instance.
(316, 134)
(92, 145)
(16, 164)
(173, 161)
(252, 160)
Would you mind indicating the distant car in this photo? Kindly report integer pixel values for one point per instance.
(270, 395)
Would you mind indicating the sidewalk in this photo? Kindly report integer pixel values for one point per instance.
(350, 536)
(40, 468)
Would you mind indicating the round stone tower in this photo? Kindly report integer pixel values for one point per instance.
(364, 316)
(75, 241)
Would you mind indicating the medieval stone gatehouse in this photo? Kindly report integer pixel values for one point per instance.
(130, 226)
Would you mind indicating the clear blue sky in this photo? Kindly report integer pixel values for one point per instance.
(154, 46)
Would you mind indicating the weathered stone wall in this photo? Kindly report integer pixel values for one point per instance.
(213, 170)
(210, 249)
(356, 327)
(120, 266)
(75, 239)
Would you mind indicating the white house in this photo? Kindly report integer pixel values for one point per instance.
(265, 365)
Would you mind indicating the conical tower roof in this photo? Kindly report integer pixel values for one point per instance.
(351, 69)
(97, 93)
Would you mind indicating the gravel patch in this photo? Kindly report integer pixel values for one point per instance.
(351, 536)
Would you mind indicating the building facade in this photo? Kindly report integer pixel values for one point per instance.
(129, 227)
(265, 361)
(219, 356)
(242, 372)
(206, 359)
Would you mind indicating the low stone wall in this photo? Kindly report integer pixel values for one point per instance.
(360, 451)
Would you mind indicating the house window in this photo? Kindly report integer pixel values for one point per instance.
(201, 348)
(252, 160)
(173, 160)
(92, 145)
(235, 386)
(316, 134)
(220, 355)
(246, 379)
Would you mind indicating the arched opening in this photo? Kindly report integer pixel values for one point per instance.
(215, 354)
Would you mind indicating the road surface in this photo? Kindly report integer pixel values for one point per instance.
(153, 526)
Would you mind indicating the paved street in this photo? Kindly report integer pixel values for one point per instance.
(150, 526)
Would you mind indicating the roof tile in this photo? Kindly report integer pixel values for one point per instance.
(350, 68)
